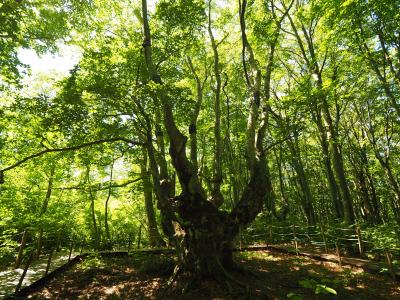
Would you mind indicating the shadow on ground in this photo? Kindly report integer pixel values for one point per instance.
(270, 275)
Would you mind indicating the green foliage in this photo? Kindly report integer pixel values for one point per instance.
(33, 24)
(385, 236)
(317, 287)
(92, 261)
(183, 14)
(325, 73)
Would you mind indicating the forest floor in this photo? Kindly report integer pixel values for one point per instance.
(273, 276)
(372, 264)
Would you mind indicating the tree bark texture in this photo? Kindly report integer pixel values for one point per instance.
(207, 233)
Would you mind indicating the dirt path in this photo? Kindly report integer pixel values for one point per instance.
(10, 278)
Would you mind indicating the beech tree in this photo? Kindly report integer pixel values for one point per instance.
(208, 233)
(196, 120)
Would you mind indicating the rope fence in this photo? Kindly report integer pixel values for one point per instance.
(325, 237)
(34, 243)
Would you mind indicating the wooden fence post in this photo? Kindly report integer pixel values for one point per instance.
(324, 238)
(295, 240)
(390, 264)
(21, 279)
(21, 249)
(49, 261)
(39, 243)
(338, 253)
(360, 245)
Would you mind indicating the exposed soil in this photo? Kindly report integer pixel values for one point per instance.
(270, 275)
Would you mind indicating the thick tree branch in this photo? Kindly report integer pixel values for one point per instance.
(72, 148)
(100, 186)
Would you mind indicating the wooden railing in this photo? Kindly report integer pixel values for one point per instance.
(328, 238)
(35, 243)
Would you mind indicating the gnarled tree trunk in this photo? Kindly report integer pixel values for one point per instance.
(207, 233)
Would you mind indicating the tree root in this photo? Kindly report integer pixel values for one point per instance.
(221, 275)
(242, 290)
(174, 275)
(171, 280)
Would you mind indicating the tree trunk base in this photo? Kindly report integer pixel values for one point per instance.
(190, 283)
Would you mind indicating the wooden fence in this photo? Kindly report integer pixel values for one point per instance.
(325, 237)
(35, 243)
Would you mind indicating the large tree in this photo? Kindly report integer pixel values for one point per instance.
(207, 232)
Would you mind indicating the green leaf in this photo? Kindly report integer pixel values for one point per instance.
(323, 289)
(294, 296)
